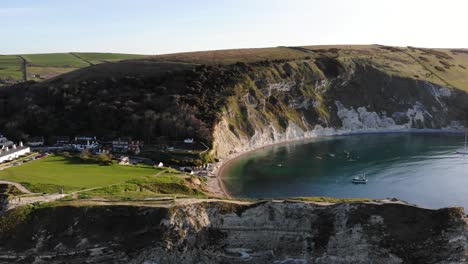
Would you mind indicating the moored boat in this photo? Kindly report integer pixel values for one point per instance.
(360, 179)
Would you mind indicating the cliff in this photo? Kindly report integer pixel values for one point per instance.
(237, 100)
(234, 232)
(333, 95)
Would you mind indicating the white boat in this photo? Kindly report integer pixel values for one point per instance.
(360, 179)
(465, 150)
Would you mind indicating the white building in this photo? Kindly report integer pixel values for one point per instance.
(124, 160)
(81, 143)
(9, 154)
(4, 142)
(35, 142)
(188, 141)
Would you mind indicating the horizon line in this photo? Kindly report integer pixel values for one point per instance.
(223, 49)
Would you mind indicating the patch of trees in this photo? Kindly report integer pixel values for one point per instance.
(174, 105)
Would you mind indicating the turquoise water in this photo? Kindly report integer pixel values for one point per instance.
(423, 169)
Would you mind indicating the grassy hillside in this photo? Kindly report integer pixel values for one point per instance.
(170, 97)
(46, 66)
(448, 67)
(232, 56)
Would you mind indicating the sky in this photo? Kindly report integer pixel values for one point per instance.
(169, 26)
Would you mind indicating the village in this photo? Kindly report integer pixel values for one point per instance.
(122, 151)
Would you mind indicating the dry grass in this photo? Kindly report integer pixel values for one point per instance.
(432, 65)
(232, 56)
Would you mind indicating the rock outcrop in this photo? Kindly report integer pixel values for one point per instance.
(231, 232)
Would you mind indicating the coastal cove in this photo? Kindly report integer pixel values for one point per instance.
(419, 167)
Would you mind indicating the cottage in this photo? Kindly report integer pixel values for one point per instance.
(62, 140)
(9, 154)
(135, 146)
(32, 75)
(81, 143)
(102, 151)
(124, 160)
(188, 141)
(4, 142)
(35, 142)
(120, 146)
(85, 138)
(126, 146)
(209, 166)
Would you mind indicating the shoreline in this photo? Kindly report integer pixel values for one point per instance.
(224, 164)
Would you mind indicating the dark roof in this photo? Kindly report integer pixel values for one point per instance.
(6, 143)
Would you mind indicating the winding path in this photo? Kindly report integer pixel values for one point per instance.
(17, 185)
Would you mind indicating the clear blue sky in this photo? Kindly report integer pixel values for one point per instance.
(165, 26)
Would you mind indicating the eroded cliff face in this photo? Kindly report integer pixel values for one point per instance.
(222, 232)
(307, 98)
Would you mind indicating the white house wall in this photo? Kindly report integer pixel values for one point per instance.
(15, 155)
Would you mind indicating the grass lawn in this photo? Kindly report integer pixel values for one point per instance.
(138, 188)
(53, 172)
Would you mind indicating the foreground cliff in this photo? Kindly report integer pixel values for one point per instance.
(230, 232)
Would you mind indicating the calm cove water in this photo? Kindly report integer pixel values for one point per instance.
(423, 169)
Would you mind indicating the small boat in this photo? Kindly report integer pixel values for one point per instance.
(360, 179)
(465, 150)
(280, 165)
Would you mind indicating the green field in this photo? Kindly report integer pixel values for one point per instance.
(52, 173)
(46, 66)
(10, 67)
(66, 60)
(96, 58)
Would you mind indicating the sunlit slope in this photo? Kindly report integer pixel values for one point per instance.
(448, 67)
(232, 56)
